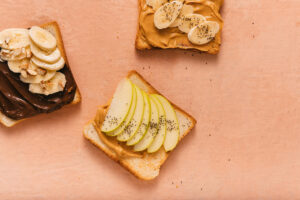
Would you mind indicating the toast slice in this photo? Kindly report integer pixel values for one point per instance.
(53, 28)
(148, 36)
(148, 166)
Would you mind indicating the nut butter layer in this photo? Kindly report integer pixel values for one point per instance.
(197, 25)
(17, 102)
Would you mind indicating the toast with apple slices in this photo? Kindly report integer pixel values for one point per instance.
(53, 28)
(143, 165)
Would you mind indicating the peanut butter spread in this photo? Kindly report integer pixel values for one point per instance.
(149, 36)
(120, 149)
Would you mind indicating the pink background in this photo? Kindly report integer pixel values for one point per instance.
(246, 144)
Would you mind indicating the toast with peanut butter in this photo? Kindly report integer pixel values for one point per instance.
(182, 24)
(138, 127)
(34, 72)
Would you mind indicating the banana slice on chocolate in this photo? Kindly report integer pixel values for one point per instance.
(55, 84)
(44, 76)
(35, 74)
(14, 38)
(204, 32)
(189, 21)
(167, 14)
(53, 66)
(186, 9)
(42, 38)
(15, 54)
(17, 65)
(46, 56)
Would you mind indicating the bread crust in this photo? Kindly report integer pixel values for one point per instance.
(8, 122)
(123, 162)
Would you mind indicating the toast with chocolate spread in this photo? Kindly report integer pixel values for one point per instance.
(35, 75)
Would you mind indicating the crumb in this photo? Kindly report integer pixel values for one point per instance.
(176, 186)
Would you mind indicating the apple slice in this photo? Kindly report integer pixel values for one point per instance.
(128, 117)
(161, 133)
(172, 134)
(145, 122)
(136, 120)
(152, 129)
(119, 107)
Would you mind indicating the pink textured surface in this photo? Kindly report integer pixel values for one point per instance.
(246, 144)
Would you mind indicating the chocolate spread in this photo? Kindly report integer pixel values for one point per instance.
(17, 102)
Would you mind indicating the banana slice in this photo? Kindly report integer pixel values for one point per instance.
(54, 85)
(149, 3)
(189, 21)
(167, 14)
(15, 54)
(49, 57)
(186, 9)
(44, 76)
(155, 4)
(42, 38)
(54, 66)
(158, 3)
(203, 33)
(17, 65)
(14, 38)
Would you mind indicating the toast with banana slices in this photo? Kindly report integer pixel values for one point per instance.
(35, 76)
(182, 24)
(139, 127)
